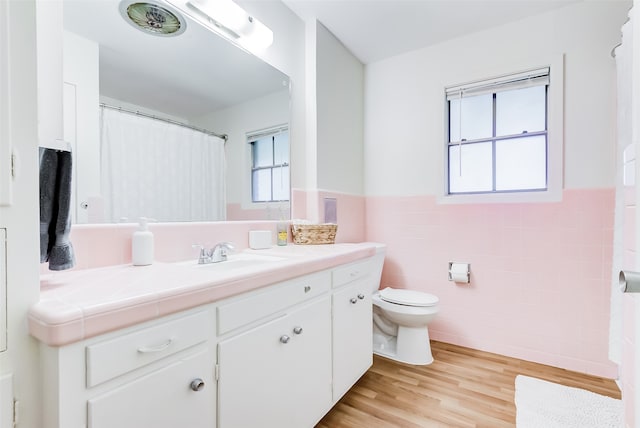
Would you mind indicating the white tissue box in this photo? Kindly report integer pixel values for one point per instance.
(259, 239)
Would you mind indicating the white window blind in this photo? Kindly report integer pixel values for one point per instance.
(513, 81)
(267, 132)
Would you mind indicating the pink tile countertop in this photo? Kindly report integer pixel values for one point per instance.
(77, 305)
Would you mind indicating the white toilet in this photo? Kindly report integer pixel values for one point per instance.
(400, 319)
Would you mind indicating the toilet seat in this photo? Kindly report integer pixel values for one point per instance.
(408, 297)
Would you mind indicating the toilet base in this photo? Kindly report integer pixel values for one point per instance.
(411, 346)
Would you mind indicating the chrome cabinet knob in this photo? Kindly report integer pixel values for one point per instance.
(297, 330)
(284, 338)
(197, 385)
(361, 296)
(353, 300)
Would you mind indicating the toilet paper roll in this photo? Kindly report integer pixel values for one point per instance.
(459, 272)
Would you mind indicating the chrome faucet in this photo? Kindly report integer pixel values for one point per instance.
(220, 250)
(216, 254)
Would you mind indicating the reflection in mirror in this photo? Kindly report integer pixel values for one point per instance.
(148, 164)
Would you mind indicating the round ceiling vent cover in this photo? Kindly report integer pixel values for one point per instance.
(152, 18)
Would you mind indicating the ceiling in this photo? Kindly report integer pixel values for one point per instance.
(377, 29)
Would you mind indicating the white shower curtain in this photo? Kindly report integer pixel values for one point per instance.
(151, 168)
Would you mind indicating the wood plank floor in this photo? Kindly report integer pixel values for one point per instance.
(462, 388)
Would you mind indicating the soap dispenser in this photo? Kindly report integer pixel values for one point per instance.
(142, 244)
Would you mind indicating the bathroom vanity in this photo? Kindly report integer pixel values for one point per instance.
(273, 340)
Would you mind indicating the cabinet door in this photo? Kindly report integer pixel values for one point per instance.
(267, 383)
(162, 399)
(352, 335)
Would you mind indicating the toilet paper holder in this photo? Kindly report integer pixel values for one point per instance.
(629, 281)
(460, 272)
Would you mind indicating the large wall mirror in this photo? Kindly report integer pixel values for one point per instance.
(127, 95)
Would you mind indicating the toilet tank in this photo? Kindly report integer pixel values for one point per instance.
(378, 259)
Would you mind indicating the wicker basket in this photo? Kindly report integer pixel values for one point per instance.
(312, 234)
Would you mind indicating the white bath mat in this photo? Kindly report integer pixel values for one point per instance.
(542, 404)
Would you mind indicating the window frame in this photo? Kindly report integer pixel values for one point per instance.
(252, 138)
(494, 139)
(555, 145)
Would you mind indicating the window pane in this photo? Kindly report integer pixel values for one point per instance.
(263, 152)
(281, 184)
(520, 110)
(477, 116)
(281, 148)
(261, 186)
(521, 163)
(472, 173)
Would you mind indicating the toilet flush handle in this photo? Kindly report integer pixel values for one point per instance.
(353, 300)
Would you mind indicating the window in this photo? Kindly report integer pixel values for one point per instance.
(270, 165)
(497, 135)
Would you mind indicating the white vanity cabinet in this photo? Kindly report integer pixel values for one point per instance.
(351, 324)
(160, 375)
(278, 356)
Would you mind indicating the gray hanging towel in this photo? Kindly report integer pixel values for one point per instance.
(55, 209)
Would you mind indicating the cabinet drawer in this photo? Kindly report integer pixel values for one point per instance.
(351, 272)
(111, 358)
(264, 303)
(163, 398)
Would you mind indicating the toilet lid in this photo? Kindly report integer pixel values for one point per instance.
(408, 297)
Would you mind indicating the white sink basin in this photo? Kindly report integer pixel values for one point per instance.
(235, 261)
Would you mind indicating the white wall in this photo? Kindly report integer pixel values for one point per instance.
(81, 126)
(340, 115)
(631, 318)
(334, 114)
(404, 96)
(21, 218)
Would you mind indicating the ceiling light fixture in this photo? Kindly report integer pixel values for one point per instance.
(152, 18)
(227, 18)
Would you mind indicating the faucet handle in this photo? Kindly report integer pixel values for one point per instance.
(202, 258)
